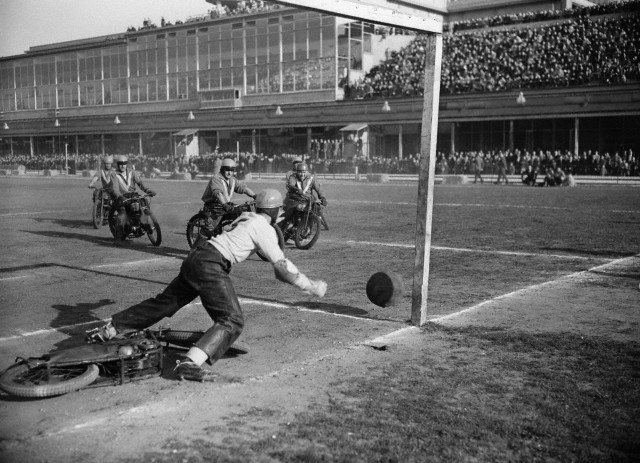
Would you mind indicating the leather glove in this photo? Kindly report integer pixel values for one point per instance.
(324, 201)
(228, 207)
(151, 193)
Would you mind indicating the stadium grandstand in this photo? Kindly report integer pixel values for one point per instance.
(532, 79)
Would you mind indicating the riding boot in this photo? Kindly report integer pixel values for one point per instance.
(215, 342)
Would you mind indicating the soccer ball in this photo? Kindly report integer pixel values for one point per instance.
(385, 289)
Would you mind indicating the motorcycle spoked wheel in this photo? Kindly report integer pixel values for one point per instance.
(40, 381)
(194, 225)
(112, 227)
(324, 222)
(155, 233)
(188, 338)
(307, 234)
(280, 243)
(98, 213)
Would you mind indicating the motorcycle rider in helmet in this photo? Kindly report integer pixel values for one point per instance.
(219, 191)
(292, 172)
(104, 175)
(300, 187)
(205, 273)
(124, 183)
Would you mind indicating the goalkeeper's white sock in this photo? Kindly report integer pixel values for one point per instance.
(197, 355)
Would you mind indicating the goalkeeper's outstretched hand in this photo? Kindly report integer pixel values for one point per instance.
(317, 288)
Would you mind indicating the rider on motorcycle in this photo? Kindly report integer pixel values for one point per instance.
(124, 183)
(299, 189)
(219, 191)
(104, 175)
(292, 172)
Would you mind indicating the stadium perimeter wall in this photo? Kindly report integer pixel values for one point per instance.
(370, 178)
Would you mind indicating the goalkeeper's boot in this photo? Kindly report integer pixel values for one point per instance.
(188, 369)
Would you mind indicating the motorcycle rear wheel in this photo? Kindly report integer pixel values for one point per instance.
(280, 243)
(307, 235)
(98, 213)
(22, 381)
(155, 234)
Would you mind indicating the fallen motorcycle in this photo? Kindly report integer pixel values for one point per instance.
(115, 362)
(140, 220)
(303, 226)
(197, 225)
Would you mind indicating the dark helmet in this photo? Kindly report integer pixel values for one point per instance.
(302, 167)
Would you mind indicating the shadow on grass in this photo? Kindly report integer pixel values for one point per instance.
(67, 223)
(137, 245)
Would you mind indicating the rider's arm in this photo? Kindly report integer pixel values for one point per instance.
(138, 181)
(217, 187)
(241, 188)
(220, 197)
(318, 190)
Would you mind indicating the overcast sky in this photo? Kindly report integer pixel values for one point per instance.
(26, 23)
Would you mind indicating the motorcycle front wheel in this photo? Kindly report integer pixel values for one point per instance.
(155, 233)
(307, 233)
(112, 227)
(40, 381)
(98, 213)
(194, 225)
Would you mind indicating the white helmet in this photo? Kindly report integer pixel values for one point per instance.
(268, 202)
(228, 164)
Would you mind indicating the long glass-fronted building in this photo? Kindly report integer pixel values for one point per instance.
(272, 81)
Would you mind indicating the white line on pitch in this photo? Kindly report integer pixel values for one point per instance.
(15, 278)
(513, 206)
(532, 288)
(485, 251)
(506, 206)
(133, 262)
(10, 214)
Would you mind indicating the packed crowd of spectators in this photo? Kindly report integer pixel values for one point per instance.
(620, 7)
(577, 51)
(243, 7)
(619, 163)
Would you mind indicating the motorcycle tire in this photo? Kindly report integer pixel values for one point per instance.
(325, 224)
(155, 235)
(188, 338)
(112, 227)
(98, 213)
(194, 225)
(280, 243)
(22, 381)
(306, 236)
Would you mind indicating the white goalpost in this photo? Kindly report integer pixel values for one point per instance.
(426, 17)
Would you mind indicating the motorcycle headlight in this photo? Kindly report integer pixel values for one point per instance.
(301, 207)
